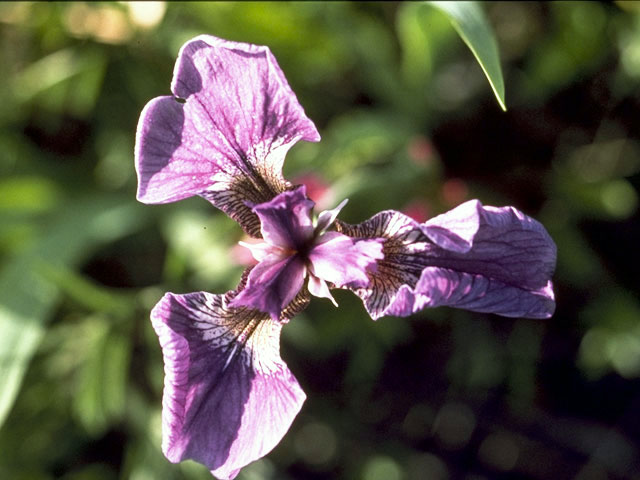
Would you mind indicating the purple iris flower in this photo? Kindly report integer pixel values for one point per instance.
(223, 134)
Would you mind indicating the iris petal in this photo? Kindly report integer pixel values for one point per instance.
(507, 246)
(228, 396)
(286, 220)
(403, 262)
(272, 284)
(444, 287)
(326, 218)
(228, 139)
(456, 229)
(319, 288)
(342, 261)
(479, 258)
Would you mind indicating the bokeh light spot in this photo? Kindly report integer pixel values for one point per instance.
(624, 351)
(428, 466)
(418, 423)
(500, 451)
(382, 468)
(454, 425)
(107, 24)
(619, 198)
(316, 443)
(146, 15)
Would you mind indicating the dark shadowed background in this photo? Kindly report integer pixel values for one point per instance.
(408, 122)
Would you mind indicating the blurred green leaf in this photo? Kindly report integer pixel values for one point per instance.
(609, 198)
(28, 297)
(577, 42)
(101, 392)
(476, 360)
(471, 24)
(87, 293)
(375, 67)
(426, 41)
(66, 80)
(417, 61)
(201, 243)
(28, 194)
(357, 139)
(613, 341)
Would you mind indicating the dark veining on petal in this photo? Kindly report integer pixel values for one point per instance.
(399, 266)
(227, 327)
(236, 200)
(235, 367)
(297, 305)
(521, 257)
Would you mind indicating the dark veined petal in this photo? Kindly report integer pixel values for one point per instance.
(286, 219)
(402, 261)
(228, 396)
(479, 258)
(507, 246)
(444, 287)
(227, 139)
(272, 284)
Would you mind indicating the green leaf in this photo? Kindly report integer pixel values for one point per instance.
(67, 80)
(28, 296)
(471, 24)
(28, 194)
(87, 293)
(100, 397)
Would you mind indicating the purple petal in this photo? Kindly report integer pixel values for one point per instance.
(444, 287)
(166, 163)
(326, 218)
(228, 396)
(455, 229)
(272, 285)
(403, 261)
(319, 288)
(504, 267)
(508, 246)
(228, 140)
(342, 261)
(286, 220)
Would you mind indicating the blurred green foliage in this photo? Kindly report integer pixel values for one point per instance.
(408, 122)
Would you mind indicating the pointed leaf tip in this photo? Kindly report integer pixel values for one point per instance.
(470, 22)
